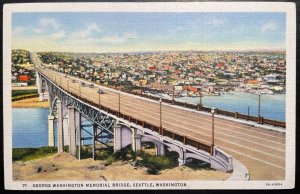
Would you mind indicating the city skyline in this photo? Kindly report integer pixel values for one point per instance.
(142, 32)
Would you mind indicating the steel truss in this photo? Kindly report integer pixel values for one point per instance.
(102, 123)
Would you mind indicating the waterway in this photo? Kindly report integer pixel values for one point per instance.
(271, 106)
(30, 125)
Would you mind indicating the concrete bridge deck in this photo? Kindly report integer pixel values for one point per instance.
(261, 151)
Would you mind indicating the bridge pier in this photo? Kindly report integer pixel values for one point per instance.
(78, 133)
(160, 149)
(138, 142)
(60, 131)
(124, 136)
(38, 82)
(50, 130)
(182, 157)
(117, 137)
(71, 127)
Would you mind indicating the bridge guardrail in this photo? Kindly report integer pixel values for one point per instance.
(224, 157)
(198, 107)
(153, 127)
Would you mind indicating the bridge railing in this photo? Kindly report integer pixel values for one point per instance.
(163, 131)
(237, 115)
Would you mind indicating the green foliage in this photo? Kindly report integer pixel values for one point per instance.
(103, 154)
(25, 154)
(197, 164)
(155, 163)
(23, 92)
(125, 154)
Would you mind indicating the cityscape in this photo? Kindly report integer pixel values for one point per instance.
(208, 73)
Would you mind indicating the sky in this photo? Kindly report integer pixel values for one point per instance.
(142, 32)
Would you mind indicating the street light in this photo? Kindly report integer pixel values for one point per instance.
(258, 107)
(141, 84)
(119, 101)
(200, 94)
(173, 93)
(212, 129)
(160, 117)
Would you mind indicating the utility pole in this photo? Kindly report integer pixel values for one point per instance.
(119, 102)
(79, 89)
(259, 108)
(212, 129)
(200, 103)
(99, 99)
(160, 117)
(141, 84)
(248, 112)
(173, 93)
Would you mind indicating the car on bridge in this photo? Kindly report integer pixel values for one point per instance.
(100, 91)
(82, 84)
(74, 81)
(91, 85)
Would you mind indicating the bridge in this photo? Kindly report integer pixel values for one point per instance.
(127, 119)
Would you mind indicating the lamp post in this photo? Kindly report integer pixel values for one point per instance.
(99, 98)
(160, 117)
(79, 89)
(212, 129)
(258, 108)
(141, 84)
(200, 98)
(173, 93)
(119, 101)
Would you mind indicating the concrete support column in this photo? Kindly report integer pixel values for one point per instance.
(138, 143)
(78, 134)
(71, 126)
(60, 127)
(160, 149)
(38, 82)
(181, 161)
(50, 130)
(133, 145)
(182, 157)
(117, 137)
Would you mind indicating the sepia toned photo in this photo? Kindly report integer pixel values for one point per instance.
(149, 96)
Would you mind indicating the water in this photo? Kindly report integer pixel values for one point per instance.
(30, 128)
(272, 106)
(30, 125)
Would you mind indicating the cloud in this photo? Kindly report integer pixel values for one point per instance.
(117, 39)
(269, 26)
(38, 31)
(58, 34)
(90, 28)
(49, 22)
(18, 30)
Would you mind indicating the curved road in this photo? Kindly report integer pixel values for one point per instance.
(261, 151)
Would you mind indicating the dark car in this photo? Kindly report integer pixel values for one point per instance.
(91, 85)
(82, 84)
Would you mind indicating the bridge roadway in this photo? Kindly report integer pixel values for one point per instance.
(261, 151)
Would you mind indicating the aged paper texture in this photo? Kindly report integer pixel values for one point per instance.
(129, 96)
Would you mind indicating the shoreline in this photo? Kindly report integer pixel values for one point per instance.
(30, 103)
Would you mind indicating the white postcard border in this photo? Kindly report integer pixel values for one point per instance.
(288, 8)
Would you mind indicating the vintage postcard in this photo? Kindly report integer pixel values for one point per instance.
(184, 95)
